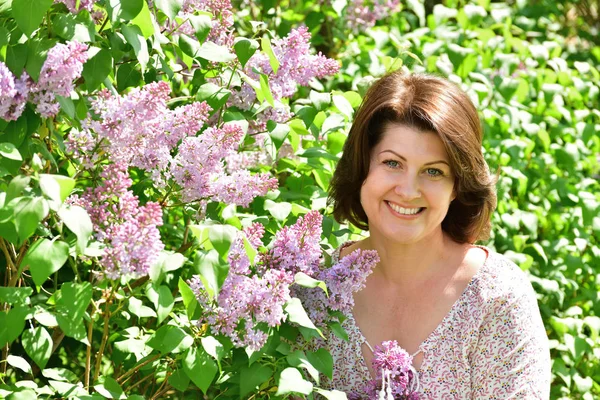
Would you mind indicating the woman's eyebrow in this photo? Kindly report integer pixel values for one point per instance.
(404, 158)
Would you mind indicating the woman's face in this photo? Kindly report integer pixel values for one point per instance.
(409, 187)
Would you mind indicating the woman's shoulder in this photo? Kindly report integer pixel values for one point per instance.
(501, 279)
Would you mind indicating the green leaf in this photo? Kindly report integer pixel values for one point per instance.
(266, 89)
(253, 376)
(78, 221)
(221, 237)
(245, 49)
(96, 69)
(170, 339)
(37, 51)
(44, 258)
(16, 187)
(279, 211)
(15, 295)
(304, 280)
(73, 299)
(169, 7)
(213, 52)
(129, 9)
(162, 299)
(343, 105)
(12, 324)
(29, 14)
(19, 362)
(251, 252)
(10, 151)
(179, 380)
(213, 347)
(278, 132)
(320, 100)
(28, 213)
(299, 359)
(297, 314)
(268, 50)
(137, 308)
(199, 367)
(144, 21)
(38, 345)
(190, 302)
(67, 105)
(212, 271)
(60, 374)
(321, 360)
(214, 95)
(56, 187)
(110, 389)
(291, 381)
(202, 24)
(127, 76)
(74, 27)
(136, 39)
(189, 46)
(23, 394)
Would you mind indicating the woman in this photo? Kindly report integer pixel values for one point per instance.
(414, 175)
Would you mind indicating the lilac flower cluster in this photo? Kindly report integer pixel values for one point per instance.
(62, 67)
(140, 130)
(395, 376)
(129, 231)
(343, 279)
(253, 298)
(297, 67)
(199, 169)
(222, 23)
(361, 15)
(13, 94)
(254, 301)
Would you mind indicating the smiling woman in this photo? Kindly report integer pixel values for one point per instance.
(465, 317)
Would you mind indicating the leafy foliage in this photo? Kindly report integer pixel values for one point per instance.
(70, 326)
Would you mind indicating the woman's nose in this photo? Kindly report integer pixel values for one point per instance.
(407, 187)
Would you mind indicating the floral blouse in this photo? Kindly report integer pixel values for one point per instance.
(491, 345)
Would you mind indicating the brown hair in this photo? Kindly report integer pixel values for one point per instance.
(428, 103)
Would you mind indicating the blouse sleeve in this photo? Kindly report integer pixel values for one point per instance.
(511, 359)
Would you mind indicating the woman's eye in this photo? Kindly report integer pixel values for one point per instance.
(434, 172)
(392, 163)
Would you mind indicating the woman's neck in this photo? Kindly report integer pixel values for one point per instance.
(410, 264)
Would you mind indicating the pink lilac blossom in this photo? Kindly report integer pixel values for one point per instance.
(128, 230)
(13, 93)
(361, 14)
(63, 65)
(140, 130)
(343, 279)
(199, 169)
(72, 5)
(297, 67)
(247, 303)
(222, 23)
(395, 376)
(297, 248)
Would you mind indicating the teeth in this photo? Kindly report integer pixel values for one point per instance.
(402, 210)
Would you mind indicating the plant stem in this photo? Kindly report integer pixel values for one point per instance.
(132, 371)
(162, 388)
(88, 354)
(104, 335)
(144, 379)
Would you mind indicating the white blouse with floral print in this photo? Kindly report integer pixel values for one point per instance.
(491, 345)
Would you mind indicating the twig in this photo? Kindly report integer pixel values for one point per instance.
(121, 379)
(9, 259)
(162, 388)
(144, 379)
(104, 335)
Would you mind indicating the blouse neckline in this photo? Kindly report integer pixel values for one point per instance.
(430, 339)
